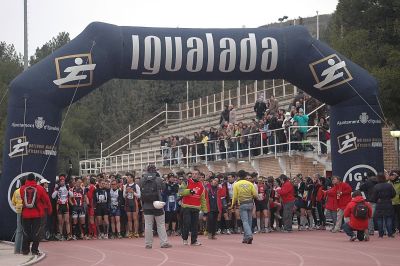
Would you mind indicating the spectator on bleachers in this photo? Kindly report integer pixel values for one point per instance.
(273, 104)
(221, 145)
(224, 116)
(323, 134)
(232, 114)
(184, 141)
(302, 121)
(212, 138)
(260, 107)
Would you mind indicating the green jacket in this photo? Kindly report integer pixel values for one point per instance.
(396, 185)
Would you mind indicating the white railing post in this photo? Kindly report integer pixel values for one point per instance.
(215, 105)
(101, 155)
(194, 109)
(273, 87)
(166, 113)
(208, 109)
(229, 95)
(264, 89)
(129, 136)
(180, 111)
(319, 143)
(262, 144)
(201, 108)
(187, 110)
(284, 87)
(275, 143)
(247, 96)
(187, 155)
(295, 90)
(223, 95)
(141, 162)
(238, 97)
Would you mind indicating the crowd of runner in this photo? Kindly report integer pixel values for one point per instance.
(110, 206)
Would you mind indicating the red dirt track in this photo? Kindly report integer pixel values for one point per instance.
(295, 249)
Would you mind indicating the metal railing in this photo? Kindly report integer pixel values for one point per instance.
(126, 140)
(244, 94)
(241, 148)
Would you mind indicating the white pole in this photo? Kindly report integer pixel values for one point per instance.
(187, 92)
(317, 26)
(25, 34)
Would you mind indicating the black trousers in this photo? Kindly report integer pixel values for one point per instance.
(190, 222)
(32, 233)
(396, 217)
(212, 222)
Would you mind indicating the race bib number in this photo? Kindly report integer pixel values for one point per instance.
(171, 198)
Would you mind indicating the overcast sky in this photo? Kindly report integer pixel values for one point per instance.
(46, 18)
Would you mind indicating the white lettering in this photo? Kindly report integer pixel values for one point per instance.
(135, 52)
(152, 56)
(231, 52)
(243, 53)
(168, 54)
(269, 58)
(197, 45)
(210, 51)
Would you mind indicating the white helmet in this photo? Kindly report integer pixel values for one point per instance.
(158, 204)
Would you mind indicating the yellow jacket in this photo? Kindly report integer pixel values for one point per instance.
(243, 191)
(17, 201)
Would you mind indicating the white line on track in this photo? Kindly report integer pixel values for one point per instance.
(165, 257)
(230, 256)
(378, 263)
(103, 255)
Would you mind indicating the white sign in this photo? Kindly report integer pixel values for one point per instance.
(357, 173)
(362, 119)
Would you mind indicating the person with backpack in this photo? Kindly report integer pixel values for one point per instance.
(151, 186)
(359, 211)
(35, 203)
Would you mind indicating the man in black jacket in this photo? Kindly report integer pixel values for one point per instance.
(260, 108)
(367, 187)
(224, 116)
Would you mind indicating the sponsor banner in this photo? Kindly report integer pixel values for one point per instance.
(357, 148)
(39, 124)
(20, 146)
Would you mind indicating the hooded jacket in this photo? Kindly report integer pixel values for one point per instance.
(42, 202)
(356, 223)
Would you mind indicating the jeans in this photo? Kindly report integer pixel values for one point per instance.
(190, 222)
(350, 232)
(31, 234)
(339, 219)
(148, 229)
(387, 220)
(332, 215)
(18, 235)
(288, 215)
(246, 212)
(371, 227)
(212, 222)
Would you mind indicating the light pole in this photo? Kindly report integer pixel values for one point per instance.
(396, 134)
(317, 26)
(282, 19)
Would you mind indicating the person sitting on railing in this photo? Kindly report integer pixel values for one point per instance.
(212, 138)
(260, 107)
(264, 131)
(324, 134)
(224, 116)
(287, 122)
(295, 136)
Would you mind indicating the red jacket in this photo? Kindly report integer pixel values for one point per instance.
(42, 202)
(287, 192)
(355, 223)
(345, 194)
(331, 201)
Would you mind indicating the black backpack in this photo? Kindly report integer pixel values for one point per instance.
(149, 189)
(360, 211)
(30, 197)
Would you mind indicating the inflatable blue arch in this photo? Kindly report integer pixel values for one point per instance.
(103, 52)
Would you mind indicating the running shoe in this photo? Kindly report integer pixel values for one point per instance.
(197, 243)
(185, 242)
(166, 245)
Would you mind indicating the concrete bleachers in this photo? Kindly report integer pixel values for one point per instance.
(188, 127)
